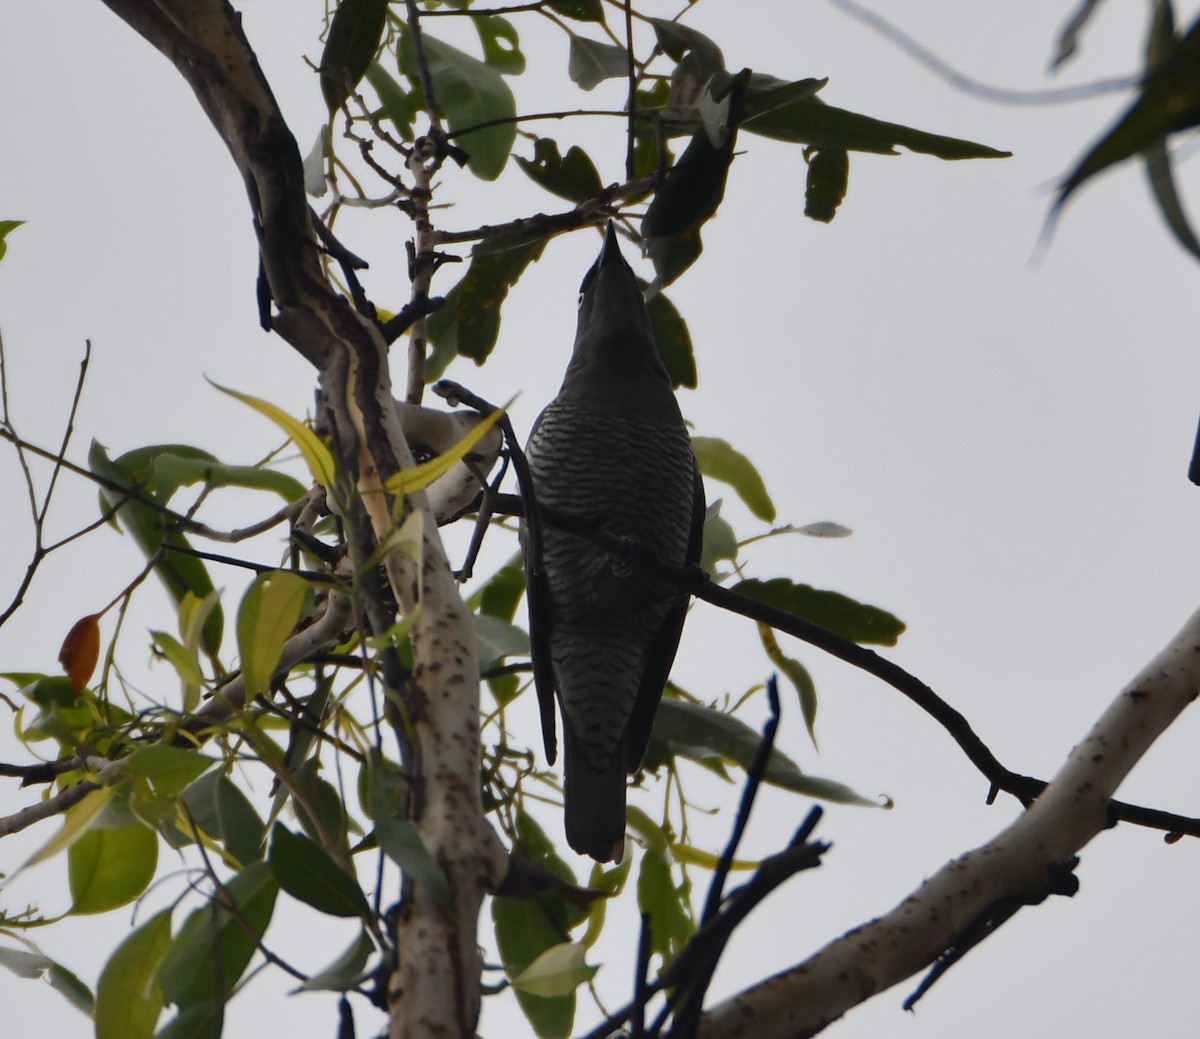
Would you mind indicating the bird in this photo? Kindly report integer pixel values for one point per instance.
(612, 452)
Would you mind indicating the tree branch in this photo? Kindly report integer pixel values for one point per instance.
(1020, 863)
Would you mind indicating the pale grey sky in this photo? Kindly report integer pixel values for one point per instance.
(1007, 436)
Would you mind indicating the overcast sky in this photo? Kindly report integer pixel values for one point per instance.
(1006, 431)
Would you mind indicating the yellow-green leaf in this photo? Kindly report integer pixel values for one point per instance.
(110, 868)
(128, 996)
(266, 619)
(421, 476)
(316, 455)
(558, 971)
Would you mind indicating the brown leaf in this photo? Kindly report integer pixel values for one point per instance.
(80, 651)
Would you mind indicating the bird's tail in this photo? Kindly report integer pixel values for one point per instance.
(594, 802)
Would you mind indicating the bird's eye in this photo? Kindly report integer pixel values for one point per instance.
(579, 302)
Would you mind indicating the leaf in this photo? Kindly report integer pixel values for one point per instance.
(590, 62)
(469, 322)
(398, 836)
(839, 613)
(797, 674)
(354, 37)
(677, 39)
(213, 949)
(500, 42)
(823, 126)
(701, 733)
(77, 820)
(694, 187)
(33, 963)
(267, 617)
(80, 651)
(673, 339)
(305, 871)
(5, 227)
(667, 904)
(110, 868)
(343, 972)
(129, 997)
(498, 639)
(580, 10)
(825, 186)
(720, 461)
(720, 542)
(180, 572)
(399, 105)
(172, 471)
(765, 93)
(468, 92)
(558, 971)
(573, 178)
(316, 455)
(1068, 40)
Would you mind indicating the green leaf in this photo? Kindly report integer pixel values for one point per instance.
(354, 37)
(316, 455)
(558, 971)
(821, 125)
(719, 460)
(573, 178)
(343, 972)
(305, 871)
(694, 187)
(399, 105)
(498, 639)
(825, 186)
(673, 339)
(839, 613)
(720, 542)
(522, 934)
(177, 655)
(469, 322)
(169, 769)
(172, 471)
(110, 868)
(766, 93)
(667, 903)
(797, 674)
(580, 10)
(180, 572)
(398, 836)
(129, 996)
(1169, 102)
(212, 949)
(702, 733)
(266, 620)
(10, 225)
(502, 593)
(500, 42)
(677, 39)
(468, 92)
(33, 963)
(590, 62)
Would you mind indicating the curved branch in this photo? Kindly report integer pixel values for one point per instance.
(1021, 864)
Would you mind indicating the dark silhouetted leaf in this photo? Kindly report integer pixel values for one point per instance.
(573, 178)
(399, 105)
(353, 39)
(580, 10)
(825, 187)
(823, 126)
(677, 39)
(674, 341)
(839, 613)
(469, 322)
(590, 62)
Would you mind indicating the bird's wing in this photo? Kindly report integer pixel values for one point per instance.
(663, 646)
(538, 601)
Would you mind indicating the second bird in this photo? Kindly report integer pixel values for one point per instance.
(611, 451)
